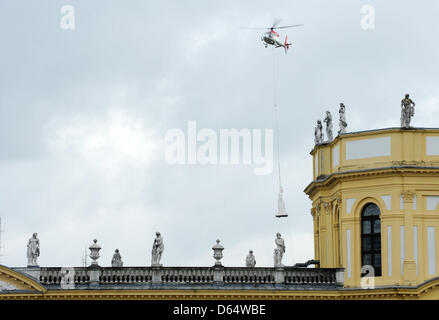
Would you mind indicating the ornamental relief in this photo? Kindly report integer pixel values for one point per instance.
(327, 206)
(338, 200)
(407, 195)
(318, 207)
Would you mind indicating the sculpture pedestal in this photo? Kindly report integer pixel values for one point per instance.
(279, 274)
(218, 274)
(156, 274)
(339, 277)
(33, 271)
(94, 272)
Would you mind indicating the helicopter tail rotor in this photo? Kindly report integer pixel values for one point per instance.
(286, 44)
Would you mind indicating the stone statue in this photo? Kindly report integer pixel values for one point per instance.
(407, 111)
(250, 261)
(276, 260)
(342, 121)
(33, 251)
(318, 133)
(328, 121)
(281, 211)
(279, 251)
(117, 259)
(157, 250)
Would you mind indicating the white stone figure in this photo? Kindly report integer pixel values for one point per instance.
(279, 251)
(318, 133)
(276, 260)
(33, 251)
(407, 111)
(157, 250)
(342, 121)
(117, 259)
(250, 261)
(281, 211)
(328, 121)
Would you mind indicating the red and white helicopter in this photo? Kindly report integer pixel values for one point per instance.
(271, 37)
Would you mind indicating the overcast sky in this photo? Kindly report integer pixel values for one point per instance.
(84, 112)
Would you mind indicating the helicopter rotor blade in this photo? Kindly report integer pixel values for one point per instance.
(292, 26)
(252, 28)
(275, 23)
(274, 27)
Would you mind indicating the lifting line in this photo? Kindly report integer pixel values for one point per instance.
(281, 204)
(276, 117)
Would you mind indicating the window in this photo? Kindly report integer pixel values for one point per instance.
(371, 238)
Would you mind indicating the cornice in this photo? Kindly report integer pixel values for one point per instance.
(335, 294)
(393, 170)
(370, 132)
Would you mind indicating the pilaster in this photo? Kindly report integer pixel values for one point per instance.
(409, 267)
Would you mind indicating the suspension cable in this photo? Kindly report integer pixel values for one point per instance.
(276, 117)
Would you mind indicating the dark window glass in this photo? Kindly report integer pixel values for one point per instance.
(371, 209)
(367, 244)
(367, 259)
(377, 226)
(377, 260)
(377, 243)
(371, 237)
(366, 227)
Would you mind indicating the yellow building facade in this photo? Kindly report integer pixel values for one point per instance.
(375, 205)
(375, 208)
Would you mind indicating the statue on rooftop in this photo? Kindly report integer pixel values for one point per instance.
(318, 133)
(250, 261)
(157, 250)
(117, 259)
(342, 121)
(407, 111)
(279, 251)
(33, 251)
(328, 121)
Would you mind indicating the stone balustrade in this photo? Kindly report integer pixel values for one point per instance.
(125, 275)
(249, 275)
(187, 277)
(309, 276)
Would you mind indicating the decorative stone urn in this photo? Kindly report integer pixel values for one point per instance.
(94, 252)
(218, 253)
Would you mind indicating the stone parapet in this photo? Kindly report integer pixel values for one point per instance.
(189, 277)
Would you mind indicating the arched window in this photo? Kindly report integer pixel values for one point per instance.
(371, 237)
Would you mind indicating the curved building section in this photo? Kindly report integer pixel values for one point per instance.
(375, 205)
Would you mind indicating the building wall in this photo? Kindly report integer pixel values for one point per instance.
(398, 170)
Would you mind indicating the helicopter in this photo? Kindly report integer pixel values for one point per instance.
(271, 37)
